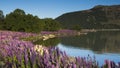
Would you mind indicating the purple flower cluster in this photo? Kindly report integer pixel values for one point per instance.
(12, 49)
(14, 35)
(111, 64)
(15, 53)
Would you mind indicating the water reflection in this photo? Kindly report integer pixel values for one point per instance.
(102, 45)
(100, 42)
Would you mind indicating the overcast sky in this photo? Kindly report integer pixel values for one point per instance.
(52, 8)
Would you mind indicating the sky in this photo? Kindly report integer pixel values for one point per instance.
(51, 8)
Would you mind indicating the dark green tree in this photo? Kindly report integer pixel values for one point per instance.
(51, 25)
(19, 21)
(1, 15)
(19, 11)
(1, 19)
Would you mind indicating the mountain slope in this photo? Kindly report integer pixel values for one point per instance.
(97, 17)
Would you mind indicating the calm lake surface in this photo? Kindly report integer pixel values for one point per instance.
(102, 45)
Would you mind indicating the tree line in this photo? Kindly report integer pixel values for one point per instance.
(18, 20)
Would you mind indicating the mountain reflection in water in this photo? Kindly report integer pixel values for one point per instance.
(102, 45)
(99, 42)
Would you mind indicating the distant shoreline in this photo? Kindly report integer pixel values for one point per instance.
(73, 33)
(95, 30)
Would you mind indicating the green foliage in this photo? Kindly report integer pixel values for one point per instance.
(1, 24)
(77, 27)
(19, 12)
(32, 38)
(1, 20)
(1, 15)
(18, 20)
(51, 25)
(49, 42)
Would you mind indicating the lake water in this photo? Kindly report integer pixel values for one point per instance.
(102, 45)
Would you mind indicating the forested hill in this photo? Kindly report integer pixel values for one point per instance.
(18, 20)
(100, 16)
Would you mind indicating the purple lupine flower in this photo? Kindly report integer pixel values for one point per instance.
(32, 57)
(74, 65)
(26, 56)
(113, 64)
(119, 64)
(52, 66)
(57, 65)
